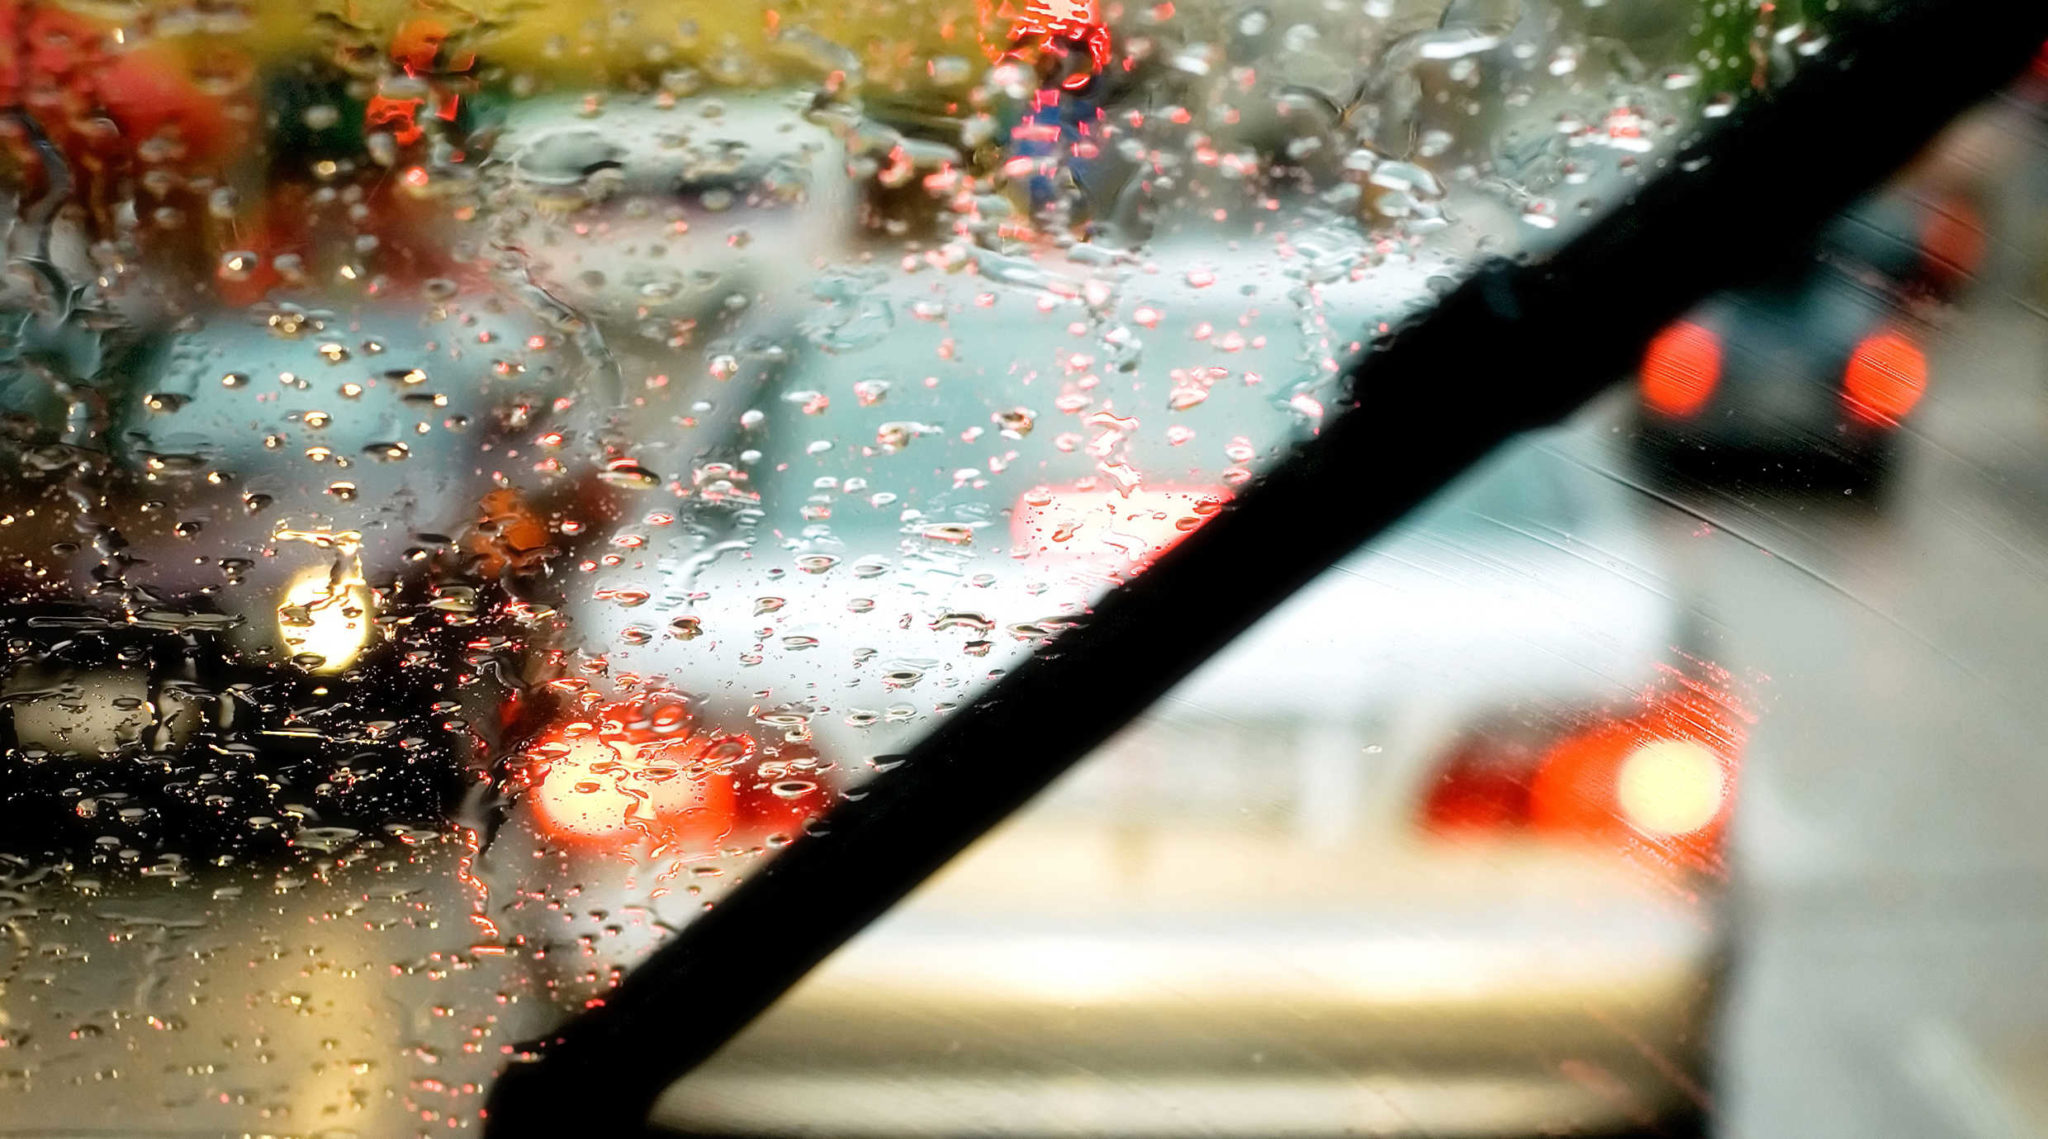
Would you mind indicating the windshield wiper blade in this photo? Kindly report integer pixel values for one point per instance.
(1515, 347)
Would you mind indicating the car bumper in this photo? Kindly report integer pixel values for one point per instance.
(1512, 995)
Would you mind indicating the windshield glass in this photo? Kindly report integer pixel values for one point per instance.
(475, 483)
(1556, 808)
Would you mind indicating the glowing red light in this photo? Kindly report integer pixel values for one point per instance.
(1654, 784)
(626, 775)
(402, 115)
(1886, 377)
(1484, 790)
(1680, 369)
(1658, 784)
(1045, 25)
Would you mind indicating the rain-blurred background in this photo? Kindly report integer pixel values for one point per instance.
(479, 480)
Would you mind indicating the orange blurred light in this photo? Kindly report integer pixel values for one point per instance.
(624, 777)
(1886, 377)
(1680, 369)
(1108, 531)
(1657, 785)
(418, 44)
(402, 115)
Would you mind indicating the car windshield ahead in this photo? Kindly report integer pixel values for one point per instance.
(480, 485)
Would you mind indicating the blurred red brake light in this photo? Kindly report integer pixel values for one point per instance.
(621, 775)
(1483, 788)
(1680, 369)
(1886, 376)
(1656, 783)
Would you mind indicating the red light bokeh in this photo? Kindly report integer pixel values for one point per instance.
(1680, 369)
(631, 773)
(1885, 379)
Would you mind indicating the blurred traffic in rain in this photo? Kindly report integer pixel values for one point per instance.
(477, 481)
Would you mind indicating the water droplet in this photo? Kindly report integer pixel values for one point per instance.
(1015, 423)
(627, 474)
(951, 533)
(238, 265)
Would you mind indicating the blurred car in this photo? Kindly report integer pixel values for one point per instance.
(1486, 881)
(657, 215)
(1434, 850)
(1481, 858)
(1813, 370)
(369, 470)
(681, 238)
(808, 573)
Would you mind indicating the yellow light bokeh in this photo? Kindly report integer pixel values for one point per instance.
(318, 617)
(1671, 787)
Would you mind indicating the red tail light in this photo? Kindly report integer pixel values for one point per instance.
(1657, 783)
(1638, 787)
(1680, 369)
(1484, 788)
(629, 773)
(1886, 376)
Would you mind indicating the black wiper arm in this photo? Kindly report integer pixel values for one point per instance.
(1515, 347)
